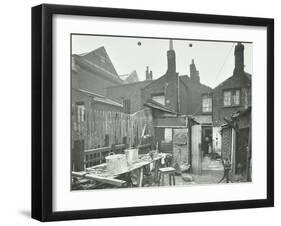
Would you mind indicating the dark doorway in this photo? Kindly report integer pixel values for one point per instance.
(206, 140)
(242, 142)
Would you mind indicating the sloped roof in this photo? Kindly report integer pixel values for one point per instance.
(241, 112)
(156, 105)
(137, 85)
(203, 119)
(100, 98)
(106, 100)
(130, 78)
(234, 116)
(246, 75)
(189, 83)
(97, 60)
(249, 76)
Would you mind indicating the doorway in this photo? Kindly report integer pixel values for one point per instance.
(242, 142)
(207, 140)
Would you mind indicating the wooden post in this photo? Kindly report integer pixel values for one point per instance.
(124, 141)
(140, 177)
(196, 160)
(233, 150)
(78, 156)
(106, 140)
(248, 158)
(113, 148)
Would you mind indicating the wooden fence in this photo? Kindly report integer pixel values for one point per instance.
(104, 131)
(97, 156)
(100, 128)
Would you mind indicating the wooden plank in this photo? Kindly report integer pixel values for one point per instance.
(119, 146)
(96, 150)
(144, 145)
(196, 159)
(112, 181)
(117, 125)
(78, 174)
(140, 176)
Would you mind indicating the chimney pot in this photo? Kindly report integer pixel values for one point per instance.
(171, 58)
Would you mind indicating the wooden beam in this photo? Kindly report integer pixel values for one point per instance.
(78, 174)
(96, 150)
(112, 181)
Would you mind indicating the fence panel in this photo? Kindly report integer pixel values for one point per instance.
(101, 128)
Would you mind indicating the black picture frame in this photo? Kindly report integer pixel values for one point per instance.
(42, 107)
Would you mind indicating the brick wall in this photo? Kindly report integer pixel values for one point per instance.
(130, 92)
(241, 82)
(91, 82)
(226, 143)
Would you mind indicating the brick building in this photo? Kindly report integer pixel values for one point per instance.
(129, 94)
(236, 134)
(181, 93)
(234, 93)
(130, 78)
(232, 97)
(172, 98)
(94, 71)
(91, 74)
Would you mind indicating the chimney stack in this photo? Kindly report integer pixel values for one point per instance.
(171, 58)
(150, 75)
(147, 73)
(194, 73)
(239, 59)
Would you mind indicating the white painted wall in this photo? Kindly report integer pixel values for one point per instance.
(15, 111)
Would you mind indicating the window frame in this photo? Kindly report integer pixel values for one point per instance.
(209, 95)
(233, 93)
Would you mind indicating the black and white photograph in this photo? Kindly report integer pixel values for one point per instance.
(157, 112)
(136, 113)
(143, 112)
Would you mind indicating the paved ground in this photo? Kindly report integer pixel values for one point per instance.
(212, 172)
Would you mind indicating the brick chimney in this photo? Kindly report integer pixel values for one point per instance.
(194, 73)
(171, 58)
(150, 75)
(147, 73)
(171, 88)
(239, 59)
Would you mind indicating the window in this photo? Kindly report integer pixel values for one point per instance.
(231, 98)
(207, 103)
(227, 98)
(159, 98)
(236, 97)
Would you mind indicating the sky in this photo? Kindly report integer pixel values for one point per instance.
(213, 59)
